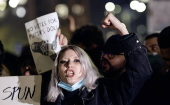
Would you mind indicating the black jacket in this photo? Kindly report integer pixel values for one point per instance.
(124, 89)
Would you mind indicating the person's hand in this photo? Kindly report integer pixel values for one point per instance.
(62, 39)
(110, 21)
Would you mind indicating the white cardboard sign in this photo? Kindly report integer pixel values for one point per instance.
(20, 90)
(43, 42)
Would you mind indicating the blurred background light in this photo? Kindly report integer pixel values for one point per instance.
(2, 5)
(117, 9)
(62, 11)
(13, 3)
(144, 1)
(2, 14)
(20, 12)
(17, 12)
(141, 29)
(110, 6)
(3, 0)
(77, 9)
(141, 7)
(134, 4)
(125, 17)
(22, 2)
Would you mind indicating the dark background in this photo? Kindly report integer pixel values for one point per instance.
(12, 28)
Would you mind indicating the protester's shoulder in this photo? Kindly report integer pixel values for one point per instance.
(130, 36)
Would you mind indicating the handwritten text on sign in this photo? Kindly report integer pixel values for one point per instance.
(12, 91)
(41, 30)
(20, 90)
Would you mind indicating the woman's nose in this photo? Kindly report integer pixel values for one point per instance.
(70, 64)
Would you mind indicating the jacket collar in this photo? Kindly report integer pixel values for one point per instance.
(85, 95)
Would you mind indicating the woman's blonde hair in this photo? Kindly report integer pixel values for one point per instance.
(90, 71)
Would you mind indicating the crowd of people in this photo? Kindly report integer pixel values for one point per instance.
(89, 71)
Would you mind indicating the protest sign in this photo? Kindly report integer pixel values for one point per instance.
(20, 90)
(43, 42)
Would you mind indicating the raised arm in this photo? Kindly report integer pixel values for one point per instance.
(110, 21)
(137, 67)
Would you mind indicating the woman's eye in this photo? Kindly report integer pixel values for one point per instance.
(77, 60)
(62, 62)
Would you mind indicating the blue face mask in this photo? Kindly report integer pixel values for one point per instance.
(69, 87)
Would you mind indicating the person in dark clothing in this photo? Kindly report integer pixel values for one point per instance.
(4, 71)
(164, 44)
(8, 61)
(156, 91)
(162, 90)
(75, 80)
(112, 58)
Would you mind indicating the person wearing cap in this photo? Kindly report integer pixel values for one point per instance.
(75, 80)
(112, 58)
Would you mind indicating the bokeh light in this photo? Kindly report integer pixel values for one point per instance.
(134, 4)
(2, 5)
(2, 14)
(125, 17)
(20, 12)
(144, 1)
(77, 9)
(110, 6)
(13, 3)
(22, 2)
(62, 11)
(117, 9)
(141, 7)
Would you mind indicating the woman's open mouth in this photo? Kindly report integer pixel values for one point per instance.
(70, 73)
